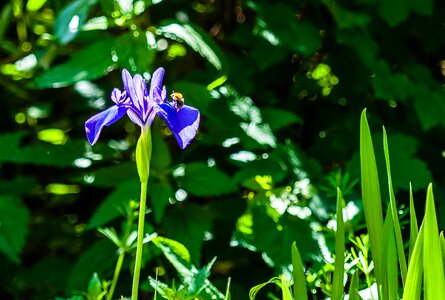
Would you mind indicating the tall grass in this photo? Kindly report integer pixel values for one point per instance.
(421, 273)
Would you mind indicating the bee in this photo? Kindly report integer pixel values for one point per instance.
(178, 98)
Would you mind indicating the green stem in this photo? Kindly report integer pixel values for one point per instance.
(143, 157)
(140, 241)
(117, 271)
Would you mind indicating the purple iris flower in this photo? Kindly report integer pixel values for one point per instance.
(142, 106)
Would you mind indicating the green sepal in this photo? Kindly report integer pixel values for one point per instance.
(143, 155)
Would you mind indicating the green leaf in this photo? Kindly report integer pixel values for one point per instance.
(300, 291)
(198, 281)
(372, 203)
(100, 258)
(429, 105)
(113, 206)
(413, 285)
(279, 118)
(262, 220)
(204, 181)
(14, 220)
(442, 247)
(433, 265)
(405, 166)
(337, 282)
(422, 7)
(277, 23)
(285, 291)
(394, 213)
(94, 287)
(110, 177)
(254, 290)
(394, 12)
(40, 153)
(35, 5)
(187, 225)
(414, 229)
(353, 287)
(92, 62)
(390, 258)
(161, 157)
(133, 52)
(196, 39)
(176, 253)
(160, 194)
(70, 20)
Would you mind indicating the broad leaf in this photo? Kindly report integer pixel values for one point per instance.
(90, 63)
(70, 20)
(204, 181)
(114, 205)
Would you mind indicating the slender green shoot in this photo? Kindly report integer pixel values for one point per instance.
(393, 207)
(337, 282)
(413, 286)
(413, 227)
(372, 203)
(300, 291)
(432, 254)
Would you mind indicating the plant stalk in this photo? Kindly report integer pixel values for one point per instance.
(140, 241)
(117, 271)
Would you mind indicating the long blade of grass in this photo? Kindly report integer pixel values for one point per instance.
(371, 195)
(413, 228)
(254, 290)
(391, 267)
(300, 291)
(387, 228)
(442, 247)
(353, 287)
(413, 285)
(337, 284)
(432, 254)
(286, 295)
(395, 216)
(227, 296)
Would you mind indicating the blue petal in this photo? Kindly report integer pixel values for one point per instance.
(156, 86)
(127, 80)
(94, 125)
(183, 123)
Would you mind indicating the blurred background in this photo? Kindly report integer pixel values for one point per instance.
(280, 86)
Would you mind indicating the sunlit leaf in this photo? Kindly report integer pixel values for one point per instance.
(395, 217)
(371, 195)
(196, 39)
(71, 19)
(413, 286)
(35, 5)
(299, 287)
(432, 254)
(90, 63)
(337, 282)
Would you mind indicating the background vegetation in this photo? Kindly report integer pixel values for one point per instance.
(280, 86)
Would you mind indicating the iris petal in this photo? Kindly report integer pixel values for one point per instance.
(127, 80)
(183, 123)
(94, 125)
(140, 87)
(156, 85)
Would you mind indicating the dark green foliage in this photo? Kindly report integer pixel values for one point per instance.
(280, 86)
